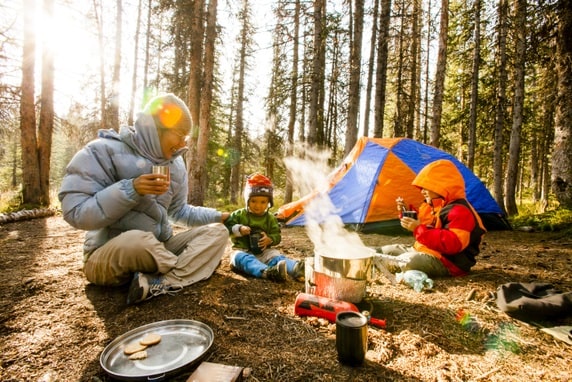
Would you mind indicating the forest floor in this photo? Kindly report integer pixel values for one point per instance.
(54, 325)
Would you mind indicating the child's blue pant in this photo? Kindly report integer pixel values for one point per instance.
(254, 265)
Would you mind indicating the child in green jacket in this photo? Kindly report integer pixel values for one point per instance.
(254, 231)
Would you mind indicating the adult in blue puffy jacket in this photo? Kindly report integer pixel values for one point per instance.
(128, 212)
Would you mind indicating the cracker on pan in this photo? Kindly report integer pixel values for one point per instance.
(134, 347)
(150, 339)
(139, 355)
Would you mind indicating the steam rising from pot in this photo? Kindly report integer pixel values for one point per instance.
(323, 225)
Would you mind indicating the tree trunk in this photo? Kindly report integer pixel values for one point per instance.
(500, 104)
(147, 50)
(369, 85)
(15, 167)
(518, 104)
(331, 119)
(561, 158)
(440, 75)
(194, 98)
(413, 102)
(316, 111)
(31, 188)
(230, 154)
(100, 40)
(46, 125)
(399, 91)
(293, 98)
(239, 128)
(381, 68)
(426, 75)
(135, 58)
(474, 88)
(196, 70)
(355, 72)
(199, 172)
(116, 82)
(547, 130)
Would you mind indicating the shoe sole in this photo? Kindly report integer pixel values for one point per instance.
(282, 270)
(136, 292)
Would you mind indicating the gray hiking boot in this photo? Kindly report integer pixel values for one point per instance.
(299, 271)
(276, 272)
(144, 287)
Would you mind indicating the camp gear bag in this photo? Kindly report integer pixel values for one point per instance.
(533, 301)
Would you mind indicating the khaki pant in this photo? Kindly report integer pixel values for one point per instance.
(184, 259)
(406, 258)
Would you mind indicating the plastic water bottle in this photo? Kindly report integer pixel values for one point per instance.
(417, 280)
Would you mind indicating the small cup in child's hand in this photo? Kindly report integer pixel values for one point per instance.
(254, 239)
(409, 214)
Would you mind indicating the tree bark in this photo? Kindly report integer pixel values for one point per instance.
(135, 58)
(500, 104)
(147, 50)
(116, 82)
(399, 88)
(46, 125)
(293, 98)
(414, 79)
(239, 125)
(518, 104)
(381, 68)
(369, 85)
(199, 172)
(561, 158)
(31, 189)
(440, 75)
(316, 110)
(355, 73)
(474, 88)
(194, 98)
(426, 75)
(100, 39)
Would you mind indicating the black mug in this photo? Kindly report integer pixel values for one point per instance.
(351, 337)
(409, 214)
(254, 239)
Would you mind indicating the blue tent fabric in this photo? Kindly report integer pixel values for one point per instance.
(355, 189)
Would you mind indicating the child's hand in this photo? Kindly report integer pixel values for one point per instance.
(244, 230)
(409, 223)
(264, 241)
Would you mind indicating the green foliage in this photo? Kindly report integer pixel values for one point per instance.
(10, 201)
(556, 219)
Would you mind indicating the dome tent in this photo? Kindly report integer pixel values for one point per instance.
(377, 171)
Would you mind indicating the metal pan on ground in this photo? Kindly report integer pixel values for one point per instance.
(183, 344)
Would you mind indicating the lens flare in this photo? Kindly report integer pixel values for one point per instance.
(468, 322)
(503, 340)
(169, 114)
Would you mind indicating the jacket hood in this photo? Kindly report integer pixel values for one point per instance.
(443, 178)
(143, 137)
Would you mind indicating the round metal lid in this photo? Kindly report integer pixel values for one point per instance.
(182, 343)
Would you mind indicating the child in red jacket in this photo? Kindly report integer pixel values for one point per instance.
(448, 230)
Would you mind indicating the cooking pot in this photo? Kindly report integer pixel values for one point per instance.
(339, 288)
(357, 266)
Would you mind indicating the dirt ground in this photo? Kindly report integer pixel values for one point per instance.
(54, 324)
